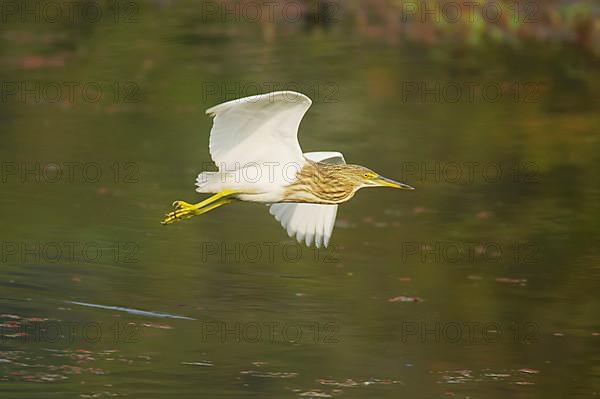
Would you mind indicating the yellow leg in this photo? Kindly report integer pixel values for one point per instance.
(183, 210)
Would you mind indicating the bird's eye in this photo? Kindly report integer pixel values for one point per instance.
(367, 175)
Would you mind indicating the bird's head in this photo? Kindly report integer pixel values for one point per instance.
(365, 177)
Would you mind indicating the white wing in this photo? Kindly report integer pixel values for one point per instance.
(258, 129)
(309, 222)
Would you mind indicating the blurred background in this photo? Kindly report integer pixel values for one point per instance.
(482, 283)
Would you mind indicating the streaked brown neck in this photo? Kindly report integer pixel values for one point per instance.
(321, 183)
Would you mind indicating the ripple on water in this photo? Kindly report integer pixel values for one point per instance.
(269, 374)
(512, 376)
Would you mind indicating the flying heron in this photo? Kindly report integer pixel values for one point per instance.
(254, 143)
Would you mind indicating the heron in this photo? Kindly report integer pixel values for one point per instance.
(254, 144)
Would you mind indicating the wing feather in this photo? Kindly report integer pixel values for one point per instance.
(311, 223)
(257, 129)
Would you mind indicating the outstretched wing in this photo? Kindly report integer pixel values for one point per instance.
(257, 129)
(309, 222)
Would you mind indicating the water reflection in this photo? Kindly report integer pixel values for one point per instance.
(512, 257)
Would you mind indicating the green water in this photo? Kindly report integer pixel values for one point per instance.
(475, 285)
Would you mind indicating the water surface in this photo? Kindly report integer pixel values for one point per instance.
(477, 284)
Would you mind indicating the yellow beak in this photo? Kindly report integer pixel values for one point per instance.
(385, 182)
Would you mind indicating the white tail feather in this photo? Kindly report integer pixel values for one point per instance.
(209, 182)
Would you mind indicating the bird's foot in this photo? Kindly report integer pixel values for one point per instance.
(182, 210)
